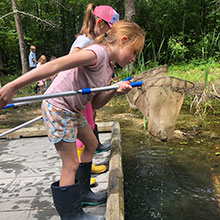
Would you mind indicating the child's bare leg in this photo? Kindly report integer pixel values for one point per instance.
(70, 162)
(85, 134)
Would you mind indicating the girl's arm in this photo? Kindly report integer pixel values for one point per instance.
(76, 49)
(81, 58)
(102, 98)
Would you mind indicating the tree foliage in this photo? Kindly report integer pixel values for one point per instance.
(176, 30)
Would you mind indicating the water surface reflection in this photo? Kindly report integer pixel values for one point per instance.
(170, 181)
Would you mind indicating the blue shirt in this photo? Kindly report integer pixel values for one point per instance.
(32, 55)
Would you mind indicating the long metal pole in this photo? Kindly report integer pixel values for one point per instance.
(26, 100)
(30, 99)
(20, 126)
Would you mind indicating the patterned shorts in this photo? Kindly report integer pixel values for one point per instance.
(61, 124)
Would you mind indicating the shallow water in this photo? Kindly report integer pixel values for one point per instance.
(174, 180)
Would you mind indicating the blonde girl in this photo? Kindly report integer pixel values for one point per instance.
(97, 20)
(63, 120)
(42, 84)
(41, 60)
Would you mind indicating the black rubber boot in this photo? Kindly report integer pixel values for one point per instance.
(101, 147)
(67, 200)
(36, 88)
(83, 175)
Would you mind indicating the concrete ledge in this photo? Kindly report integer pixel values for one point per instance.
(39, 131)
(115, 201)
(105, 126)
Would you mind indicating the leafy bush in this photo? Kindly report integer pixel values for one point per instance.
(177, 49)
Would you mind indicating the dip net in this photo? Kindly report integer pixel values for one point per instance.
(160, 99)
(156, 81)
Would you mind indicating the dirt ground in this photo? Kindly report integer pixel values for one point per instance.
(12, 117)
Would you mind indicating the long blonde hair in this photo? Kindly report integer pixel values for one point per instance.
(134, 33)
(89, 22)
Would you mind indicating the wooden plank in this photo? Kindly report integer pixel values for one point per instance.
(115, 202)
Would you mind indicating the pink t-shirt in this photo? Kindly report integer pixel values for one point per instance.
(94, 76)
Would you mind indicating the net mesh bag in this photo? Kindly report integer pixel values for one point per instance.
(159, 99)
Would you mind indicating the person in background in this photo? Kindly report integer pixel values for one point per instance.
(97, 20)
(41, 84)
(54, 76)
(41, 60)
(62, 116)
(32, 58)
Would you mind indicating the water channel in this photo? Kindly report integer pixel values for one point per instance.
(177, 180)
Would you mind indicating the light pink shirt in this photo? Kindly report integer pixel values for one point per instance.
(94, 76)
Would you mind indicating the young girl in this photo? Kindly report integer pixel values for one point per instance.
(63, 120)
(42, 84)
(54, 76)
(97, 20)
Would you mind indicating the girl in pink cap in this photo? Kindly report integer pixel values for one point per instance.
(63, 118)
(97, 20)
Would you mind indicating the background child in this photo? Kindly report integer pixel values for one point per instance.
(41, 60)
(63, 120)
(54, 76)
(97, 20)
(32, 57)
(41, 84)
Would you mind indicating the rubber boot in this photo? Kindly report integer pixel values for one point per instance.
(101, 147)
(96, 169)
(89, 197)
(93, 182)
(36, 88)
(67, 200)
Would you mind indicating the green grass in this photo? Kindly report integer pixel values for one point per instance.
(196, 73)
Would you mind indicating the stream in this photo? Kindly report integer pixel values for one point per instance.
(179, 179)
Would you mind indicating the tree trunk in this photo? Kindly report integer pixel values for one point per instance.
(1, 67)
(1, 63)
(183, 28)
(22, 47)
(63, 33)
(130, 15)
(129, 10)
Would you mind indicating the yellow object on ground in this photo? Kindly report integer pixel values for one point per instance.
(98, 169)
(95, 169)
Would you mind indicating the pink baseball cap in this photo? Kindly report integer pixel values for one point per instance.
(106, 13)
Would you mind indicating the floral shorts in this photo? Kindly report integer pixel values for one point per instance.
(61, 124)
